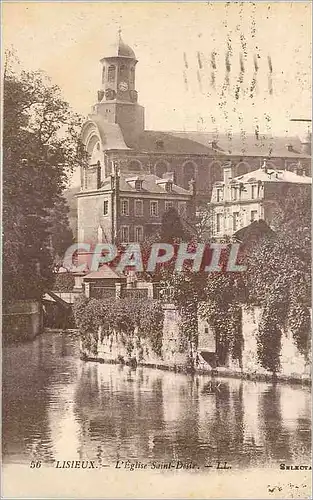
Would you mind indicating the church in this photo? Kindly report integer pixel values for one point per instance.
(164, 168)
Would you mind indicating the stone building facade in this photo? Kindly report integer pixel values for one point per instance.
(115, 132)
(129, 208)
(238, 201)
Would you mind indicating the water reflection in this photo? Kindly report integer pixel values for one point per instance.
(58, 407)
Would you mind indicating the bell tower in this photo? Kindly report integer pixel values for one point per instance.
(117, 98)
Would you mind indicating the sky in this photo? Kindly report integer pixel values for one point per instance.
(201, 65)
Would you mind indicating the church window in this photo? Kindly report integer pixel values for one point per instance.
(216, 172)
(123, 72)
(111, 74)
(242, 168)
(189, 174)
(160, 169)
(134, 165)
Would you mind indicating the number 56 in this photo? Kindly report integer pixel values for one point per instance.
(35, 464)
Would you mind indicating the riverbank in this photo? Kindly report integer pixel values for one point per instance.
(220, 372)
(62, 408)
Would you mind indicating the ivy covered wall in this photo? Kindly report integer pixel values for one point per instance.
(154, 334)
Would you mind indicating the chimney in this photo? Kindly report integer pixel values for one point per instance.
(306, 144)
(169, 175)
(228, 172)
(264, 166)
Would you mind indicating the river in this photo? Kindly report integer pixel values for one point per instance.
(57, 407)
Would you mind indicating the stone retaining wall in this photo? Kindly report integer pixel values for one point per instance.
(114, 349)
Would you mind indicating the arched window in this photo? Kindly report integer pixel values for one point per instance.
(216, 172)
(132, 75)
(160, 169)
(94, 150)
(134, 166)
(189, 173)
(111, 74)
(103, 74)
(242, 168)
(123, 72)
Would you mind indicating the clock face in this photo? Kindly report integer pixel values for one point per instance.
(123, 86)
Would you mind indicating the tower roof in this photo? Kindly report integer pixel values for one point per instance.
(120, 49)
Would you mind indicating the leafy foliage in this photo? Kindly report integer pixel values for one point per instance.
(40, 150)
(63, 282)
(121, 316)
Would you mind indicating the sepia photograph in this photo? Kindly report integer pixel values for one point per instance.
(156, 250)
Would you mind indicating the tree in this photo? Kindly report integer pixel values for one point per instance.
(173, 229)
(40, 150)
(279, 277)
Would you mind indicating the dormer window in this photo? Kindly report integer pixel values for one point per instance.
(166, 184)
(135, 182)
(138, 185)
(289, 147)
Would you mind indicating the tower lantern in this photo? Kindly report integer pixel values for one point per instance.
(117, 99)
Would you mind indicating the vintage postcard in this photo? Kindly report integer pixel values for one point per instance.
(156, 250)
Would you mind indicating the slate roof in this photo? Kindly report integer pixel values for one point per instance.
(201, 143)
(110, 133)
(149, 185)
(149, 141)
(120, 49)
(273, 175)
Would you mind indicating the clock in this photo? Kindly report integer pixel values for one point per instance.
(123, 86)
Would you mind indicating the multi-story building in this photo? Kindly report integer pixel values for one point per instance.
(239, 200)
(128, 207)
(115, 132)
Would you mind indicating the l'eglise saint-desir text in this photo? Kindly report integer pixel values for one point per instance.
(171, 465)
